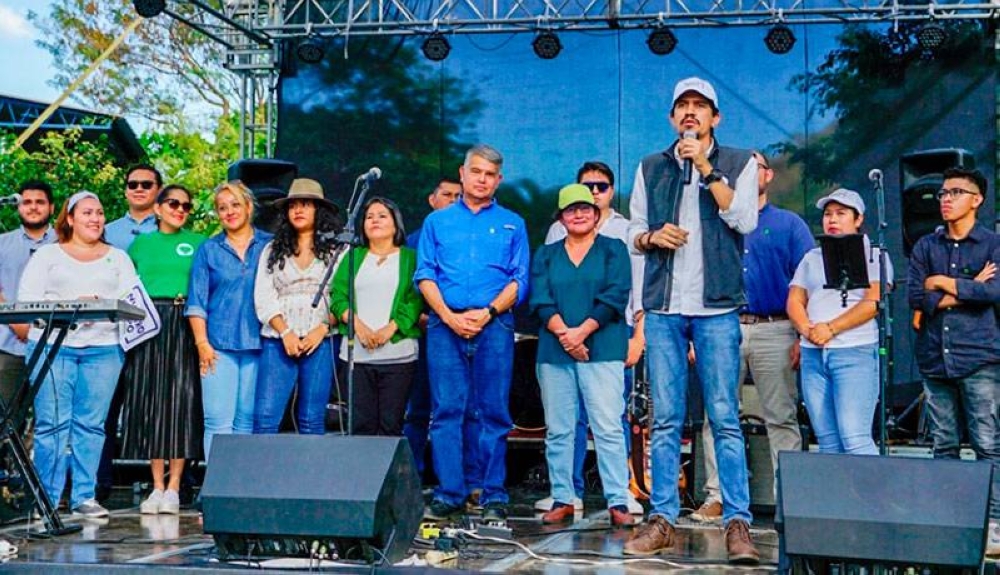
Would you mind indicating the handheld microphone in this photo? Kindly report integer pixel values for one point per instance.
(875, 175)
(11, 200)
(688, 135)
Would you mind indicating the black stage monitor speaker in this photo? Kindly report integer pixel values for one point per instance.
(293, 495)
(884, 509)
(921, 176)
(269, 180)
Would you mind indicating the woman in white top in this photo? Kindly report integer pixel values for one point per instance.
(386, 306)
(72, 403)
(839, 363)
(295, 349)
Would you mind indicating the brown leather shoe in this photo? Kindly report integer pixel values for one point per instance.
(654, 537)
(709, 512)
(620, 516)
(560, 513)
(739, 546)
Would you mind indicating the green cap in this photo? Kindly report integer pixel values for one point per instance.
(575, 194)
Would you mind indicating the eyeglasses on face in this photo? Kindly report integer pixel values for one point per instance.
(953, 193)
(176, 204)
(601, 186)
(144, 184)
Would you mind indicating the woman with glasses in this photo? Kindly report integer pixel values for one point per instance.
(161, 414)
(579, 291)
(386, 309)
(296, 350)
(73, 400)
(222, 317)
(839, 361)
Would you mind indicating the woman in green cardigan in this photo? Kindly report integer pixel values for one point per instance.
(386, 309)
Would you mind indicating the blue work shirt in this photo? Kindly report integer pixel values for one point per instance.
(221, 292)
(15, 248)
(123, 231)
(770, 255)
(473, 256)
(413, 238)
(956, 342)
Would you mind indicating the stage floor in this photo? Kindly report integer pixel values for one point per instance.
(130, 539)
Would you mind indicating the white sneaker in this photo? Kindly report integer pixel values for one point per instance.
(151, 506)
(90, 508)
(993, 539)
(171, 502)
(546, 504)
(634, 507)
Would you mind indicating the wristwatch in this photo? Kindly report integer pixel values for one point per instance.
(493, 311)
(712, 177)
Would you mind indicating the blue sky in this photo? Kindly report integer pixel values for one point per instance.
(25, 67)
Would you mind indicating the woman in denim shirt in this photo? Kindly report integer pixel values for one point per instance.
(220, 310)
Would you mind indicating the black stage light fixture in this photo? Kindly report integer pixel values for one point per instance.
(436, 47)
(780, 39)
(932, 36)
(149, 8)
(662, 41)
(310, 51)
(546, 45)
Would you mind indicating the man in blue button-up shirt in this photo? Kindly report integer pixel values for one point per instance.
(142, 185)
(954, 286)
(35, 211)
(472, 268)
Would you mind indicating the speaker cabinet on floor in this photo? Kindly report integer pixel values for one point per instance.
(292, 495)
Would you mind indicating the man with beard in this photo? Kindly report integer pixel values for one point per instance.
(34, 210)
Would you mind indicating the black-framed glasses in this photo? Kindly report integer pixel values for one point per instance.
(144, 184)
(953, 193)
(601, 186)
(176, 204)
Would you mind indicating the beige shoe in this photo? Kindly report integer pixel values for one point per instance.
(709, 512)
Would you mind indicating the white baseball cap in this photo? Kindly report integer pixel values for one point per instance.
(698, 85)
(844, 197)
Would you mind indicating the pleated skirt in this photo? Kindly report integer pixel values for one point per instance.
(161, 413)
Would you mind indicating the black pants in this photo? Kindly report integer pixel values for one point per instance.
(380, 394)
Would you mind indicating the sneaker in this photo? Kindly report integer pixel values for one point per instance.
(441, 511)
(546, 504)
(620, 516)
(560, 512)
(654, 537)
(739, 546)
(90, 508)
(709, 512)
(993, 541)
(171, 502)
(495, 512)
(151, 505)
(634, 507)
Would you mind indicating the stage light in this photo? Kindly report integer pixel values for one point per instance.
(310, 51)
(780, 39)
(662, 41)
(436, 47)
(149, 8)
(546, 45)
(932, 36)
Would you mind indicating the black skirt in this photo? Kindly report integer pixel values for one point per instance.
(161, 414)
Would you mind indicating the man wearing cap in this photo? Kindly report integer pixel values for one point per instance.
(769, 350)
(953, 283)
(690, 206)
(472, 268)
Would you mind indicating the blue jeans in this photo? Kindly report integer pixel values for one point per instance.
(600, 386)
(227, 394)
(840, 390)
(466, 375)
(973, 402)
(717, 345)
(70, 409)
(580, 440)
(279, 374)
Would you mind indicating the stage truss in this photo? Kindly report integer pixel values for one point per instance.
(256, 31)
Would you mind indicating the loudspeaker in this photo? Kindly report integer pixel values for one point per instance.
(269, 180)
(292, 495)
(883, 509)
(921, 176)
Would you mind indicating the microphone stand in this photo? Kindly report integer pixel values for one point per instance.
(884, 316)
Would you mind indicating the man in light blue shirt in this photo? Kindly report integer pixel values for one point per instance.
(142, 185)
(35, 211)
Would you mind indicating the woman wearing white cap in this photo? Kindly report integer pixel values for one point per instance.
(839, 362)
(72, 403)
